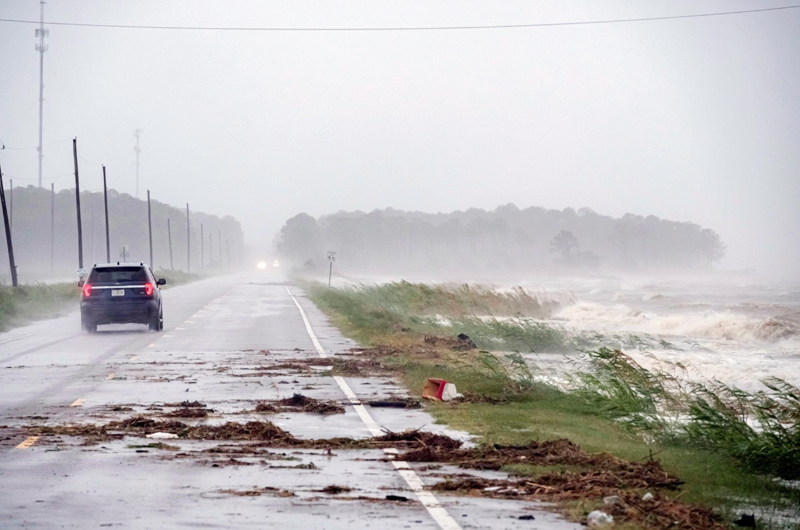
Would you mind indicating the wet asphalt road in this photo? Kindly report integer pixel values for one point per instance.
(219, 336)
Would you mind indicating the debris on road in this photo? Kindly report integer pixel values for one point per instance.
(421, 438)
(162, 436)
(257, 492)
(398, 498)
(187, 405)
(155, 445)
(307, 404)
(662, 514)
(188, 413)
(256, 431)
(335, 490)
(599, 519)
(408, 403)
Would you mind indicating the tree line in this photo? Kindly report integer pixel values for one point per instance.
(506, 240)
(31, 233)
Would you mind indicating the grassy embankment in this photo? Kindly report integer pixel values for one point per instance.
(28, 303)
(697, 433)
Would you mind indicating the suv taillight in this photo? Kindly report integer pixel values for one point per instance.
(87, 289)
(148, 289)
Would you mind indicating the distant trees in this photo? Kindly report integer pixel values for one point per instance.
(299, 240)
(506, 240)
(564, 243)
(128, 226)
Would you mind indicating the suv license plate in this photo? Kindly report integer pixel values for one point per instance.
(117, 292)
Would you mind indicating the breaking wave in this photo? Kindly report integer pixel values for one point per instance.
(714, 325)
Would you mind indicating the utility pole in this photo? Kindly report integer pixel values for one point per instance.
(150, 228)
(78, 202)
(136, 133)
(11, 263)
(202, 247)
(52, 226)
(228, 251)
(210, 251)
(91, 231)
(105, 201)
(41, 47)
(169, 236)
(188, 242)
(220, 247)
(11, 196)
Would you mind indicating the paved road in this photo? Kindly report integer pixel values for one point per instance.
(221, 335)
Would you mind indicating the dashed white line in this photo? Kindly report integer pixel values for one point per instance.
(426, 498)
(78, 403)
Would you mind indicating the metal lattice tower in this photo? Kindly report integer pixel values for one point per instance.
(41, 47)
(136, 133)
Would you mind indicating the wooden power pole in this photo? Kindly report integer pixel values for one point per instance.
(52, 226)
(11, 262)
(150, 229)
(105, 201)
(188, 242)
(169, 237)
(78, 202)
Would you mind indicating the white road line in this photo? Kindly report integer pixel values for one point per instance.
(428, 500)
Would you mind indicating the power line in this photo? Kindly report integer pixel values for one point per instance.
(36, 147)
(418, 28)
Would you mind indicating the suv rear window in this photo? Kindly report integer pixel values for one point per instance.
(118, 275)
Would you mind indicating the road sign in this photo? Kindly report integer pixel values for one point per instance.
(331, 256)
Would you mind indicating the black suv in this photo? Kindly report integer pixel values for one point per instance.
(122, 293)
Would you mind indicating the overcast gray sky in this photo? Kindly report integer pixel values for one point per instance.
(691, 120)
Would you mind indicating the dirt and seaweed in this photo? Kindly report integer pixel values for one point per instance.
(623, 500)
(299, 402)
(254, 431)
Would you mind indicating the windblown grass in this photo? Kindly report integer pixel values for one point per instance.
(23, 304)
(761, 430)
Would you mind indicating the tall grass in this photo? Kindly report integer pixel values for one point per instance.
(761, 430)
(19, 305)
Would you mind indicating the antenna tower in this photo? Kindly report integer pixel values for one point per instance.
(41, 47)
(136, 133)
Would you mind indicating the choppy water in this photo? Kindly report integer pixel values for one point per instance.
(737, 332)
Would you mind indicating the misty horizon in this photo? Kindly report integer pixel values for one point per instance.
(690, 120)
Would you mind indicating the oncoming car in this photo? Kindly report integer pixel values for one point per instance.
(122, 293)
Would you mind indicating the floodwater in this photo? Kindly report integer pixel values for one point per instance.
(736, 331)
